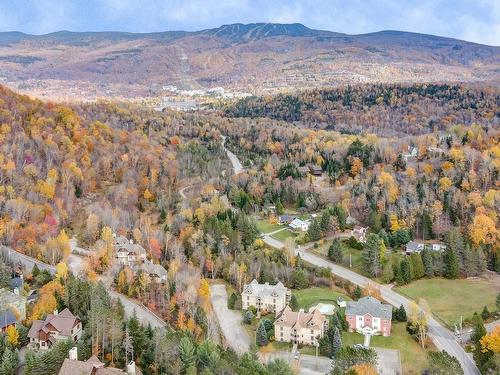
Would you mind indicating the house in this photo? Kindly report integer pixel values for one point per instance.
(369, 316)
(436, 246)
(412, 153)
(300, 327)
(315, 170)
(13, 302)
(129, 253)
(285, 219)
(341, 302)
(92, 366)
(271, 298)
(414, 247)
(359, 233)
(156, 272)
(299, 224)
(55, 327)
(7, 319)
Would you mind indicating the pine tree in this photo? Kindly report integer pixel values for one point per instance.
(427, 262)
(451, 264)
(335, 251)
(485, 314)
(187, 354)
(417, 265)
(9, 362)
(400, 314)
(358, 292)
(336, 341)
(261, 335)
(478, 329)
(371, 254)
(294, 304)
(314, 231)
(231, 302)
(405, 271)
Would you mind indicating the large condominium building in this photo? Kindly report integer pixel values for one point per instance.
(300, 327)
(265, 297)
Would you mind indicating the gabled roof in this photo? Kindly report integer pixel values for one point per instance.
(91, 366)
(369, 305)
(7, 298)
(301, 319)
(262, 290)
(62, 323)
(154, 269)
(298, 223)
(7, 318)
(412, 245)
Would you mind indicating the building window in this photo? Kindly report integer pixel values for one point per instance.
(312, 331)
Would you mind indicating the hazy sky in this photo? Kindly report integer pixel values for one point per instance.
(474, 20)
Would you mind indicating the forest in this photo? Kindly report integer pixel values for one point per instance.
(93, 171)
(385, 110)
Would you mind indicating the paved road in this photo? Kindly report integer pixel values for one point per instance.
(442, 337)
(144, 315)
(25, 260)
(237, 167)
(230, 321)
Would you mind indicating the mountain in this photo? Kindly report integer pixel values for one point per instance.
(260, 57)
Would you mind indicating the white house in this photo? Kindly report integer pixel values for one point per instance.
(414, 247)
(359, 233)
(299, 224)
(436, 246)
(369, 315)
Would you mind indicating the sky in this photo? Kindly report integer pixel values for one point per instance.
(472, 20)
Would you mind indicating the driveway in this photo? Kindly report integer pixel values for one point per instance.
(230, 321)
(237, 167)
(306, 364)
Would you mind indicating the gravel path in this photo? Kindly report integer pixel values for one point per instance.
(230, 321)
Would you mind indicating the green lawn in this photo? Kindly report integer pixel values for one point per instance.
(265, 227)
(356, 256)
(413, 357)
(448, 299)
(311, 296)
(284, 235)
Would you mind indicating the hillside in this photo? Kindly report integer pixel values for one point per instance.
(255, 57)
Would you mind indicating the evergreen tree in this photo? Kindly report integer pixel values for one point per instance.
(451, 264)
(399, 314)
(405, 271)
(294, 304)
(261, 335)
(9, 362)
(279, 367)
(478, 329)
(441, 363)
(358, 292)
(428, 263)
(314, 231)
(247, 317)
(335, 251)
(299, 279)
(187, 354)
(497, 302)
(336, 341)
(331, 342)
(325, 222)
(372, 254)
(485, 314)
(231, 302)
(455, 240)
(417, 265)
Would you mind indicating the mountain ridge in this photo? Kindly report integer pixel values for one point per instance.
(257, 58)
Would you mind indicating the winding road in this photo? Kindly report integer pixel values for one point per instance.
(237, 167)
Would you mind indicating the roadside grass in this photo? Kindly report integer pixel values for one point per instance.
(356, 256)
(311, 296)
(264, 226)
(450, 299)
(284, 235)
(413, 357)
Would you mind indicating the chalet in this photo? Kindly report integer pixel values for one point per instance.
(129, 253)
(414, 247)
(285, 219)
(14, 302)
(56, 327)
(369, 316)
(300, 327)
(315, 170)
(359, 233)
(7, 319)
(156, 272)
(271, 298)
(412, 153)
(298, 224)
(93, 366)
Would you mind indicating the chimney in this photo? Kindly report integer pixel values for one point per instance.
(16, 291)
(131, 368)
(56, 312)
(73, 353)
(131, 241)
